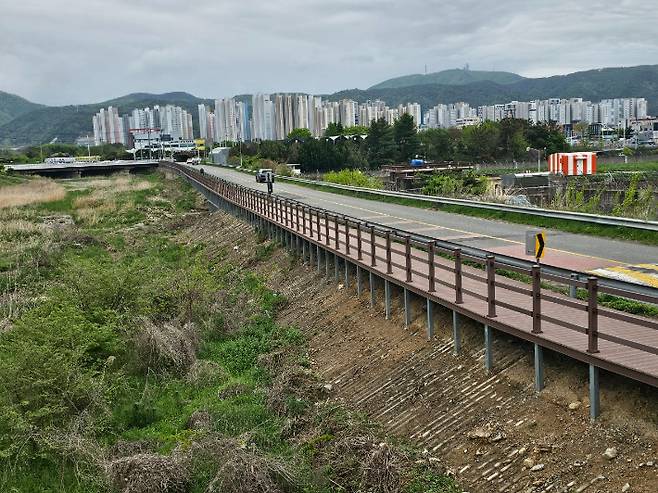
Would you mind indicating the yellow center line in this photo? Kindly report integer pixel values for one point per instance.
(515, 242)
(466, 232)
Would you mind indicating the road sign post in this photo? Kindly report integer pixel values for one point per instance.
(535, 244)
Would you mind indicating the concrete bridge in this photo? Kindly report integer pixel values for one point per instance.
(79, 169)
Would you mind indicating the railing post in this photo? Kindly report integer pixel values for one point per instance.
(389, 267)
(304, 219)
(407, 256)
(347, 235)
(336, 232)
(592, 315)
(430, 264)
(373, 260)
(491, 286)
(317, 224)
(285, 204)
(459, 297)
(536, 299)
(326, 227)
(358, 241)
(310, 222)
(297, 215)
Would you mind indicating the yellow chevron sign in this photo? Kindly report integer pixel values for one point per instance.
(535, 243)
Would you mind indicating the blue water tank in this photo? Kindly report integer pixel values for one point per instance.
(416, 163)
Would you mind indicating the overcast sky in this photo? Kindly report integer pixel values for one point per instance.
(82, 51)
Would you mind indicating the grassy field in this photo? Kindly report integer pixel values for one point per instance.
(645, 167)
(135, 360)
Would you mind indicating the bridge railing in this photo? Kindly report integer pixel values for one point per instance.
(455, 277)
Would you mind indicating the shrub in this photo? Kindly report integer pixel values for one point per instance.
(352, 177)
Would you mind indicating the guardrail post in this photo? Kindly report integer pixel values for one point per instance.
(594, 393)
(459, 297)
(456, 333)
(539, 368)
(358, 241)
(285, 204)
(297, 216)
(336, 232)
(407, 256)
(407, 308)
(536, 300)
(573, 289)
(373, 260)
(326, 227)
(389, 267)
(488, 348)
(491, 286)
(373, 293)
(592, 315)
(387, 298)
(430, 319)
(317, 224)
(347, 235)
(304, 219)
(430, 263)
(310, 222)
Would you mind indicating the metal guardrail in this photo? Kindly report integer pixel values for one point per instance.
(532, 211)
(504, 260)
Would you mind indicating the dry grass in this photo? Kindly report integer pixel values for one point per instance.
(117, 184)
(148, 473)
(32, 192)
(21, 228)
(242, 468)
(91, 210)
(167, 346)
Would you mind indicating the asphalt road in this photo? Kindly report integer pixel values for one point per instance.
(606, 257)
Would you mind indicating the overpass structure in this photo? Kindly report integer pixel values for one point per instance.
(469, 285)
(77, 169)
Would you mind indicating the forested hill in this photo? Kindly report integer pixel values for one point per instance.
(12, 106)
(69, 122)
(449, 78)
(594, 85)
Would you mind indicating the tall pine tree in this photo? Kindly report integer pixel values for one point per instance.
(381, 144)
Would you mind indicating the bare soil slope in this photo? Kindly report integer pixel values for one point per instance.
(490, 430)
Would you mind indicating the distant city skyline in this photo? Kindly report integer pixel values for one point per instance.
(273, 117)
(75, 52)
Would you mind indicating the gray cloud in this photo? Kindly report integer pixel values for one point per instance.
(75, 51)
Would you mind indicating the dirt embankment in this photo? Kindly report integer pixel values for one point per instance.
(490, 430)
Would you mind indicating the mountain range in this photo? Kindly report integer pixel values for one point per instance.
(23, 122)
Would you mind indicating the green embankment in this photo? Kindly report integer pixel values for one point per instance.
(134, 358)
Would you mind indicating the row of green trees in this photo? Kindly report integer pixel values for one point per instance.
(400, 142)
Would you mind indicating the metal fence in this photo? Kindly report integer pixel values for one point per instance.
(476, 286)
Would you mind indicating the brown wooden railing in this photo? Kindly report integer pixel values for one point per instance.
(469, 284)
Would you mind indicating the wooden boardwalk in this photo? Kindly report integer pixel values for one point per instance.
(603, 338)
